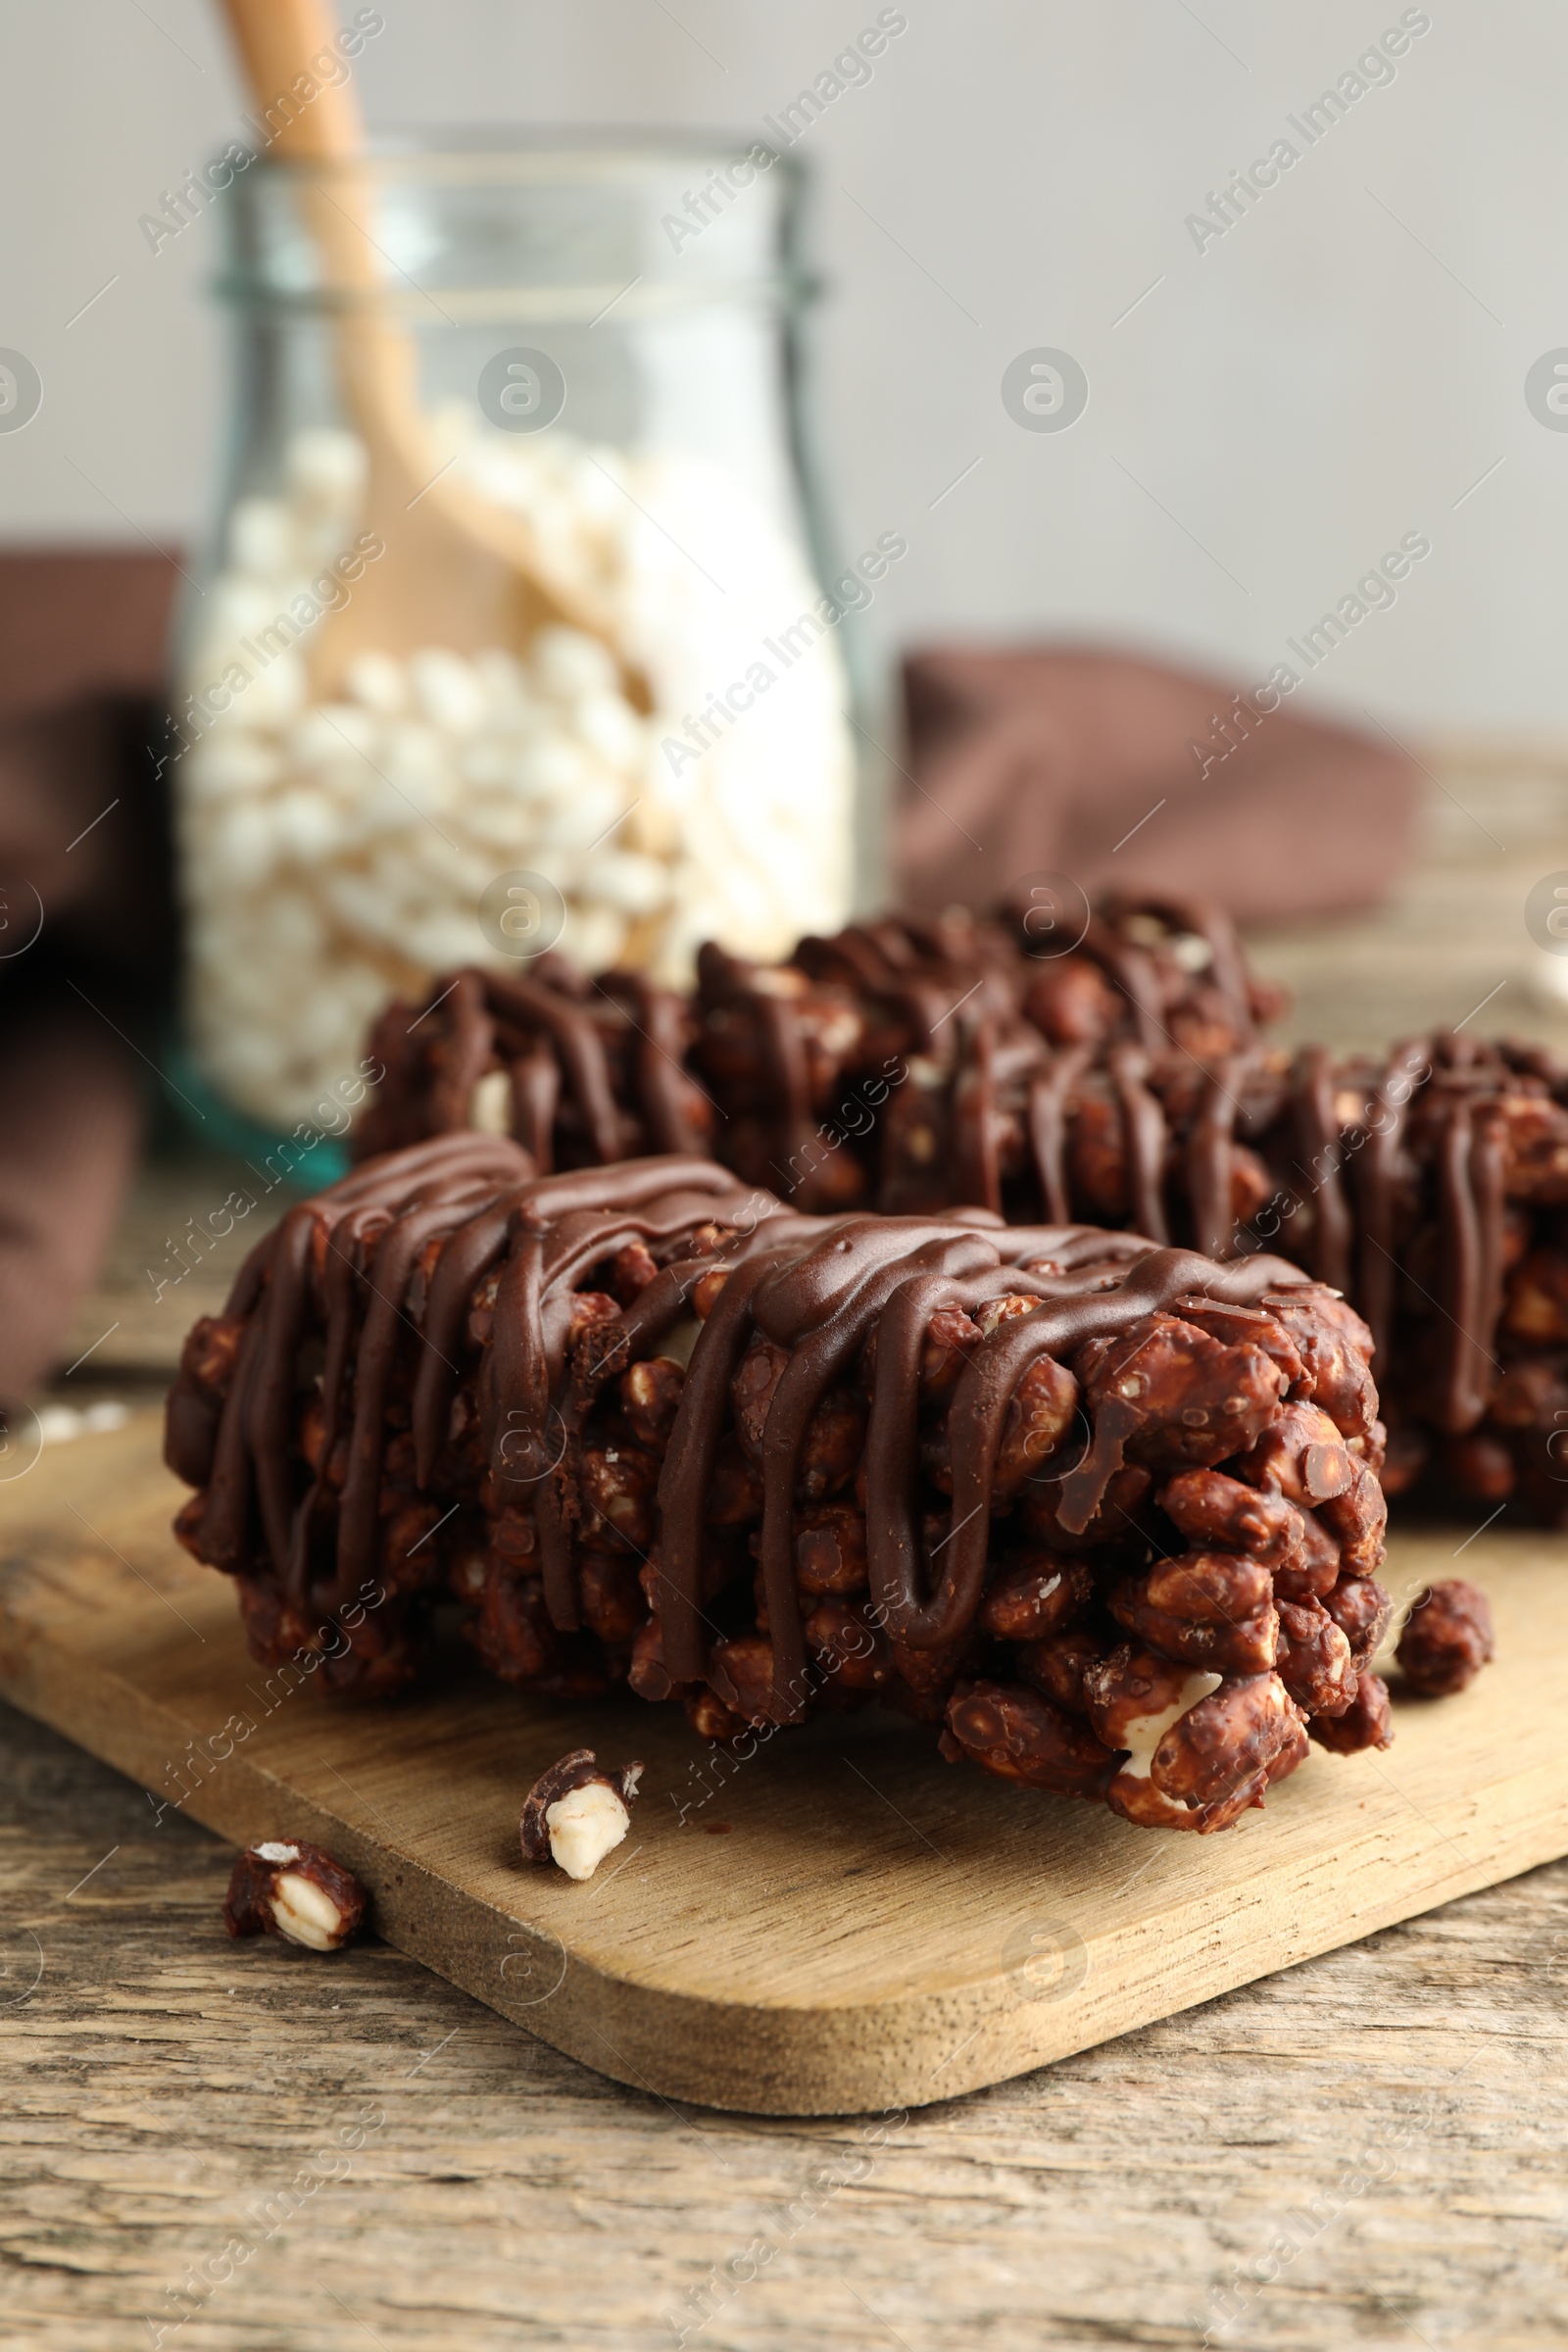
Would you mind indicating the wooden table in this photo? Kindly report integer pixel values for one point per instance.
(1363, 2150)
(1397, 2112)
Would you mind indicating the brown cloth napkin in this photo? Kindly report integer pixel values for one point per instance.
(71, 1115)
(85, 941)
(1126, 775)
(83, 635)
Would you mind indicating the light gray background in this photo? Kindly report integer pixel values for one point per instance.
(1338, 369)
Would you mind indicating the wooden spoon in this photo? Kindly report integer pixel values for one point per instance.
(457, 570)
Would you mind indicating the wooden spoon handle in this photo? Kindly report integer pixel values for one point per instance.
(276, 40)
(377, 359)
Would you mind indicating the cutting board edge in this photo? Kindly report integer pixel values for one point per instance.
(831, 2058)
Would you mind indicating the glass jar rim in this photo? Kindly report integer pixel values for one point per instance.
(577, 158)
(468, 154)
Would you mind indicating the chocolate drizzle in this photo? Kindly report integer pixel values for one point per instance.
(783, 1074)
(1197, 918)
(1050, 1092)
(1423, 1142)
(396, 1252)
(1141, 1093)
(1377, 1177)
(1318, 1161)
(1431, 1147)
(1132, 968)
(765, 1053)
(1210, 1187)
(1470, 1229)
(252, 1445)
(821, 1303)
(1145, 1133)
(596, 1063)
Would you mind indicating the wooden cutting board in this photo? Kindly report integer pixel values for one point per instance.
(838, 1924)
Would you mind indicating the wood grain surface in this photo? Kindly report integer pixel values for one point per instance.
(836, 1923)
(1395, 2112)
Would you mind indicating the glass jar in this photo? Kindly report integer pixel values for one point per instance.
(511, 634)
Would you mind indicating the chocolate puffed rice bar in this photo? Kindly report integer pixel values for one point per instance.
(1105, 1516)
